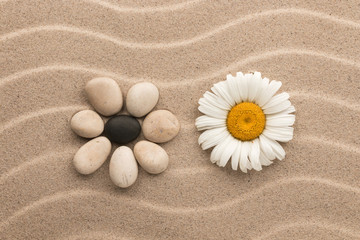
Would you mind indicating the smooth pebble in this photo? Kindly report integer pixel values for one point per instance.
(141, 99)
(160, 126)
(151, 157)
(92, 155)
(122, 129)
(105, 95)
(87, 124)
(123, 167)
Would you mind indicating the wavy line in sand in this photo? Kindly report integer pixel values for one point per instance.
(15, 121)
(334, 100)
(323, 225)
(38, 159)
(215, 74)
(95, 235)
(44, 157)
(121, 9)
(277, 229)
(162, 8)
(190, 170)
(176, 210)
(176, 44)
(331, 143)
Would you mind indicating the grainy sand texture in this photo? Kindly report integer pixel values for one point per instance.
(50, 49)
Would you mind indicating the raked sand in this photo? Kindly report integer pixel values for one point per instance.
(50, 49)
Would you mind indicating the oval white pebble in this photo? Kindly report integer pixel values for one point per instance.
(141, 99)
(123, 167)
(92, 155)
(151, 157)
(105, 95)
(87, 124)
(160, 126)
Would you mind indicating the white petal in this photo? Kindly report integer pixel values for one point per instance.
(230, 147)
(277, 149)
(233, 88)
(214, 141)
(278, 108)
(217, 101)
(213, 111)
(248, 165)
(255, 154)
(215, 154)
(266, 148)
(205, 122)
(219, 149)
(208, 134)
(243, 87)
(221, 90)
(267, 94)
(254, 86)
(264, 83)
(287, 111)
(239, 75)
(276, 100)
(249, 77)
(212, 103)
(282, 134)
(264, 160)
(244, 161)
(235, 158)
(280, 120)
(290, 109)
(212, 137)
(257, 75)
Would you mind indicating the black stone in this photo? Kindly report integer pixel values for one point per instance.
(122, 129)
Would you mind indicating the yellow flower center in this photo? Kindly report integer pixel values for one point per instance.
(245, 121)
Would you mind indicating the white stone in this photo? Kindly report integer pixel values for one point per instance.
(141, 99)
(92, 155)
(151, 157)
(87, 124)
(123, 167)
(160, 126)
(105, 95)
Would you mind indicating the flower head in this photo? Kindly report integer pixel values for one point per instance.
(244, 120)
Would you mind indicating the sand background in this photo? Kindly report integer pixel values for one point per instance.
(50, 49)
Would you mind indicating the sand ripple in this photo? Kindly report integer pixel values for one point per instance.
(184, 47)
(185, 42)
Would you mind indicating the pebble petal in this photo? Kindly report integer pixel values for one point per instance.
(160, 126)
(151, 157)
(92, 155)
(122, 129)
(141, 99)
(123, 167)
(87, 124)
(105, 95)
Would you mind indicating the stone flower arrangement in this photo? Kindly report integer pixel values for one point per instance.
(159, 126)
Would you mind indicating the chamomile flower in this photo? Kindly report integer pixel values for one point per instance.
(244, 121)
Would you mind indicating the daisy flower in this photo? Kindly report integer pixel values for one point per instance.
(244, 121)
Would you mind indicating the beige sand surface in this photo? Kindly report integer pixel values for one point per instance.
(50, 49)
